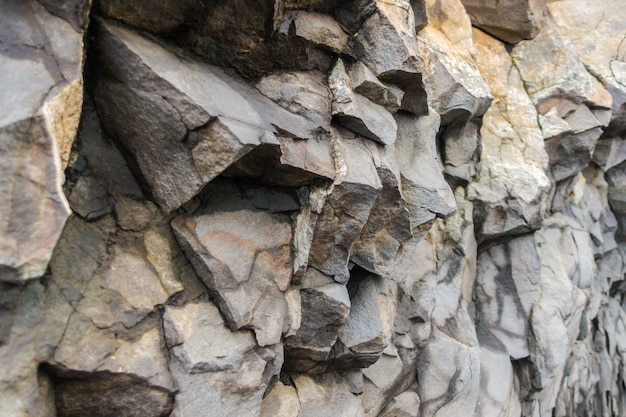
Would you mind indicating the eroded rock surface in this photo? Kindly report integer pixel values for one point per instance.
(312, 208)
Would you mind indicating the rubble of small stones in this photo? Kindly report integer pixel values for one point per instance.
(313, 208)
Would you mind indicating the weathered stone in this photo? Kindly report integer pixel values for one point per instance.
(426, 192)
(364, 82)
(597, 37)
(358, 113)
(462, 150)
(249, 283)
(388, 224)
(325, 310)
(317, 28)
(319, 5)
(508, 283)
(302, 93)
(215, 368)
(512, 148)
(42, 57)
(104, 394)
(281, 401)
(616, 177)
(346, 209)
(328, 395)
(403, 405)
(154, 16)
(609, 153)
(351, 14)
(452, 387)
(578, 97)
(386, 43)
(368, 329)
(510, 21)
(452, 81)
(182, 127)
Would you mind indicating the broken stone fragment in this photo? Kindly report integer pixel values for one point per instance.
(356, 112)
(426, 192)
(215, 368)
(317, 28)
(597, 37)
(41, 62)
(610, 152)
(325, 306)
(303, 93)
(578, 98)
(386, 44)
(242, 252)
(181, 137)
(510, 21)
(512, 148)
(346, 208)
(388, 224)
(364, 82)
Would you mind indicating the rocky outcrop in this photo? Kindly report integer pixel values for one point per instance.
(298, 208)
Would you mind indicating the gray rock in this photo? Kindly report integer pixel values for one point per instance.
(403, 405)
(512, 21)
(280, 401)
(388, 224)
(326, 396)
(609, 153)
(242, 253)
(183, 127)
(386, 43)
(512, 147)
(597, 39)
(508, 284)
(364, 82)
(452, 387)
(302, 93)
(324, 311)
(42, 57)
(426, 192)
(154, 16)
(358, 113)
(346, 209)
(317, 28)
(215, 368)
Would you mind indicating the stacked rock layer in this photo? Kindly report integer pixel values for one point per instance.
(311, 208)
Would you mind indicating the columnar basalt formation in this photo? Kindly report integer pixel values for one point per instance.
(311, 208)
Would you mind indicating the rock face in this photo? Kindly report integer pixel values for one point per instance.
(312, 208)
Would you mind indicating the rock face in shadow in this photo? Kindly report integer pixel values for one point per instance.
(312, 208)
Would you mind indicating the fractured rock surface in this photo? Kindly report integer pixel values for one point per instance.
(312, 208)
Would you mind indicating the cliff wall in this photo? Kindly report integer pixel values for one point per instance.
(312, 208)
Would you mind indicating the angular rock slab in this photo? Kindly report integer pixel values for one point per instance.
(324, 310)
(215, 368)
(455, 88)
(358, 113)
(346, 207)
(511, 191)
(326, 396)
(574, 104)
(41, 62)
(180, 131)
(388, 225)
(243, 254)
(511, 20)
(597, 36)
(386, 43)
(426, 192)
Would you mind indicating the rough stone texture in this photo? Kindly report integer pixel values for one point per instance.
(510, 20)
(311, 208)
(42, 88)
(512, 148)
